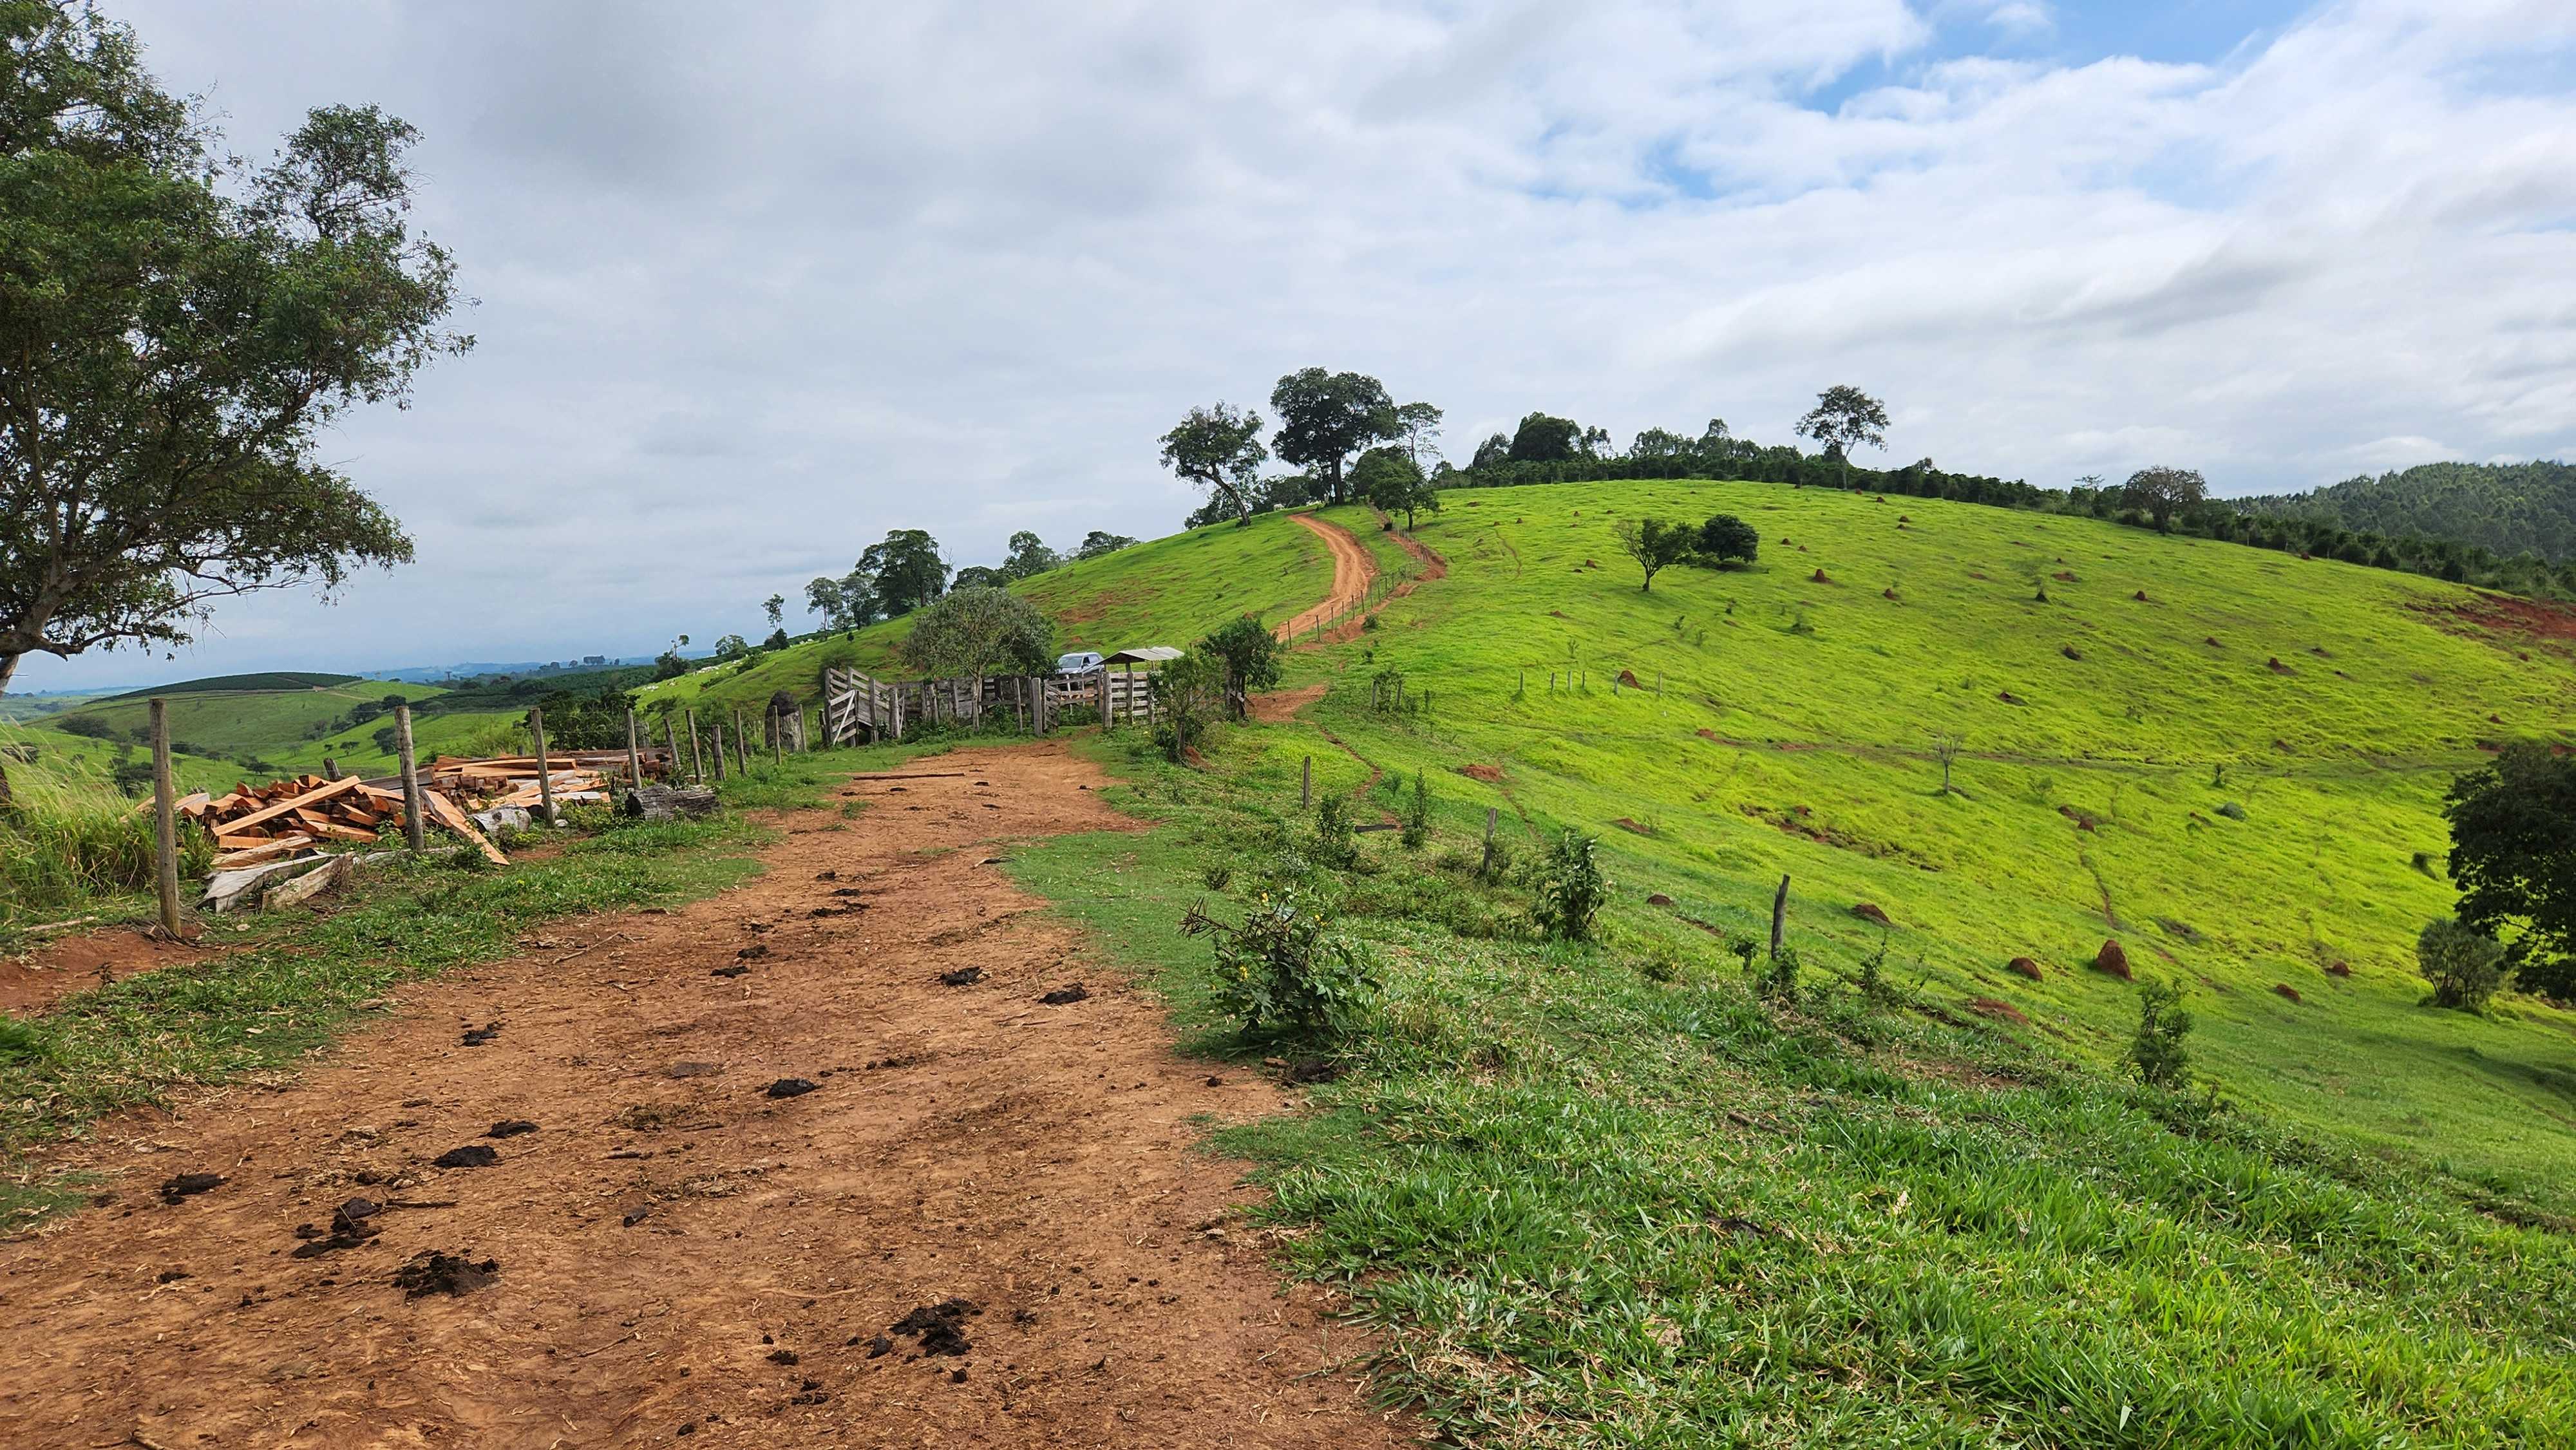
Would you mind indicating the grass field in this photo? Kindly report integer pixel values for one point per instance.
(1785, 726)
(1170, 592)
(1594, 1197)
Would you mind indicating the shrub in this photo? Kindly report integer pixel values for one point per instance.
(1780, 979)
(1185, 695)
(1285, 971)
(1333, 843)
(1417, 817)
(1217, 876)
(1250, 653)
(1873, 973)
(2156, 1054)
(2464, 964)
(1570, 888)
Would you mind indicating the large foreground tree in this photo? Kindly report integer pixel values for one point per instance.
(176, 331)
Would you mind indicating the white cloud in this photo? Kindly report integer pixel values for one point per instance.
(761, 282)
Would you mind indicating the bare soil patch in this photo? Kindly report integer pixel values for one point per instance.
(674, 1248)
(33, 982)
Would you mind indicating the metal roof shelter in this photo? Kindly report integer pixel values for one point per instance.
(1152, 654)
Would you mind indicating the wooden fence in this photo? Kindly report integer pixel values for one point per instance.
(858, 707)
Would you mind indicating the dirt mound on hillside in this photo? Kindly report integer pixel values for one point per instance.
(1487, 773)
(1868, 911)
(2112, 960)
(1999, 1011)
(2023, 967)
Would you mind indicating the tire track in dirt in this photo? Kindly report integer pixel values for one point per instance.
(1353, 572)
(679, 1249)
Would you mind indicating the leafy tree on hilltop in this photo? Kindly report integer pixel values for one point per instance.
(775, 606)
(904, 572)
(1028, 557)
(1495, 449)
(176, 330)
(2513, 853)
(1844, 418)
(1324, 418)
(1099, 542)
(1219, 450)
(969, 633)
(1388, 478)
(1656, 544)
(1543, 439)
(2158, 492)
(1418, 424)
(1658, 443)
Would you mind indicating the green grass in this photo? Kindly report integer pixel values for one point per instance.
(265, 680)
(1172, 591)
(292, 982)
(1818, 703)
(1608, 1196)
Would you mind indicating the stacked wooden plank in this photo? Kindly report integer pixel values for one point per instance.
(293, 817)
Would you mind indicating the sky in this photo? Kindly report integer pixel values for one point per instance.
(757, 282)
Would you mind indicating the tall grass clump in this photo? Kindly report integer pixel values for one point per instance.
(68, 837)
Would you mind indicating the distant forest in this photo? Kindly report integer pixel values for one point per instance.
(2505, 507)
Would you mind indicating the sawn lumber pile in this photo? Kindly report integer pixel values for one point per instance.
(286, 819)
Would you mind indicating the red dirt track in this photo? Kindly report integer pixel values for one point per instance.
(684, 1259)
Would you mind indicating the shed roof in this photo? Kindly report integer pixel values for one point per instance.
(1144, 655)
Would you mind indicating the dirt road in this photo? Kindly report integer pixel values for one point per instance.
(1353, 572)
(684, 1246)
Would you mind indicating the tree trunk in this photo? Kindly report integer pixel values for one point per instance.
(8, 670)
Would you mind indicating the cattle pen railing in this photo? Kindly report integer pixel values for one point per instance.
(859, 708)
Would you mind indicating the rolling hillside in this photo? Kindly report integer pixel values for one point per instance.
(2228, 760)
(1169, 592)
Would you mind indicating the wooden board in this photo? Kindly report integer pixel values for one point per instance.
(310, 797)
(442, 810)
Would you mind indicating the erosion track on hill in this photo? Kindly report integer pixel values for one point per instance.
(1353, 572)
(746, 1171)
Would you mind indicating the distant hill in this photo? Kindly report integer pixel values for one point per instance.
(2507, 507)
(266, 680)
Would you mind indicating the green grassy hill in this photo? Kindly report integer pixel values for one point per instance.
(1169, 592)
(230, 684)
(2229, 760)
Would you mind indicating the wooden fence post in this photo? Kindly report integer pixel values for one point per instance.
(331, 766)
(1491, 816)
(545, 773)
(415, 829)
(634, 755)
(697, 762)
(165, 822)
(716, 747)
(671, 744)
(1779, 916)
(1306, 784)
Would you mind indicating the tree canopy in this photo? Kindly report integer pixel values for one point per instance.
(2158, 492)
(1656, 544)
(1218, 449)
(973, 632)
(2513, 853)
(1099, 542)
(1726, 539)
(904, 572)
(1389, 478)
(1544, 439)
(1843, 419)
(1324, 418)
(176, 331)
(1029, 557)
